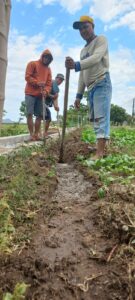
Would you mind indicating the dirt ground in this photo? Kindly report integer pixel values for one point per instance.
(77, 251)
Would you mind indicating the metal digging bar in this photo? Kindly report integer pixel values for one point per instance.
(64, 114)
(44, 113)
(58, 124)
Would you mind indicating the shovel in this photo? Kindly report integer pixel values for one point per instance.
(64, 114)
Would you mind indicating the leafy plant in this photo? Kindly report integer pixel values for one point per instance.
(122, 137)
(114, 167)
(88, 136)
(19, 292)
(80, 157)
(51, 173)
(101, 192)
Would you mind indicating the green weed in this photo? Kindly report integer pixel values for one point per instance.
(88, 136)
(18, 294)
(51, 173)
(113, 168)
(23, 185)
(6, 225)
(118, 168)
(13, 129)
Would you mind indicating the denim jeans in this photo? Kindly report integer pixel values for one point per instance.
(99, 98)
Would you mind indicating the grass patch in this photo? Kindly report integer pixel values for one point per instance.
(25, 180)
(13, 129)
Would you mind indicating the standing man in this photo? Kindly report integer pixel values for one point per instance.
(39, 81)
(94, 74)
(52, 100)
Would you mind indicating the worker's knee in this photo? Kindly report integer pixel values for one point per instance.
(97, 120)
(39, 118)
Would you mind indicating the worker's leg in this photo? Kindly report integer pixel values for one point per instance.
(38, 114)
(30, 102)
(37, 126)
(48, 120)
(101, 105)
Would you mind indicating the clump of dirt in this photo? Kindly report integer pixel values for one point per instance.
(125, 192)
(117, 220)
(73, 146)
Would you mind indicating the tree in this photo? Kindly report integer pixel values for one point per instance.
(5, 8)
(75, 116)
(118, 115)
(4, 112)
(23, 109)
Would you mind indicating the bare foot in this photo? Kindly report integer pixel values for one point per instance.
(32, 138)
(46, 135)
(37, 138)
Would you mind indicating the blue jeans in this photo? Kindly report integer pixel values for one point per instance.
(99, 98)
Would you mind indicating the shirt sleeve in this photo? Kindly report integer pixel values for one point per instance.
(81, 86)
(100, 50)
(48, 84)
(77, 66)
(29, 74)
(55, 88)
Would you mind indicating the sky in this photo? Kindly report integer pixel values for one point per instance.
(36, 25)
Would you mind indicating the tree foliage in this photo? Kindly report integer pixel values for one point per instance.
(75, 116)
(23, 109)
(119, 115)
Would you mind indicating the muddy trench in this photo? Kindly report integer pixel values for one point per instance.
(69, 254)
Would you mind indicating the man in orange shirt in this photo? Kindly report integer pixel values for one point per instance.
(39, 80)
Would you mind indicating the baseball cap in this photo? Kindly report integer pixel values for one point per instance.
(83, 19)
(59, 75)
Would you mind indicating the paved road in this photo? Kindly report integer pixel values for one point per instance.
(9, 143)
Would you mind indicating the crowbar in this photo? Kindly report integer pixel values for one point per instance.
(44, 113)
(64, 114)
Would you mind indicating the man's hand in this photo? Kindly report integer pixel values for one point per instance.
(77, 103)
(44, 93)
(69, 63)
(42, 88)
(56, 108)
(51, 96)
(41, 84)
